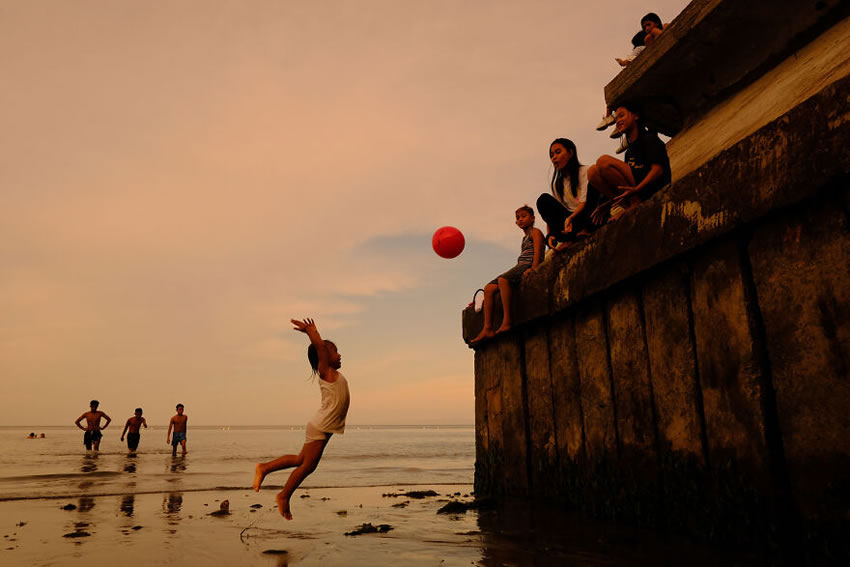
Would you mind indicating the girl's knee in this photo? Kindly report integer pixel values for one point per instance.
(491, 288)
(606, 161)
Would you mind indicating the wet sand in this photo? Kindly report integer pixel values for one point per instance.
(180, 528)
(177, 527)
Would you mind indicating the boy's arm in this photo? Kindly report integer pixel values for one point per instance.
(79, 419)
(145, 423)
(537, 239)
(126, 426)
(308, 326)
(168, 434)
(108, 420)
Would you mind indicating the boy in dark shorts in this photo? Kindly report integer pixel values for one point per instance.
(531, 255)
(134, 424)
(93, 435)
(178, 422)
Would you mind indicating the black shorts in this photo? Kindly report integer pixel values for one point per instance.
(514, 275)
(90, 437)
(133, 441)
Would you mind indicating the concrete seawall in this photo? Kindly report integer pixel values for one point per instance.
(689, 366)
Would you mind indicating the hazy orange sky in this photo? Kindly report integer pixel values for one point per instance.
(179, 179)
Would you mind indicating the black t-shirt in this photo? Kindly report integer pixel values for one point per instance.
(647, 150)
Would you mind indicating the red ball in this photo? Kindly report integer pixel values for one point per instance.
(448, 242)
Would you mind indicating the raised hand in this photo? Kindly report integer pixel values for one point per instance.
(303, 326)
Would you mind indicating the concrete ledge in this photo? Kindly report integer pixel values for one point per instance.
(782, 163)
(713, 49)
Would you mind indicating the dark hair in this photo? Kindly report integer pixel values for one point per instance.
(634, 107)
(652, 17)
(639, 39)
(571, 169)
(527, 209)
(313, 356)
(180, 405)
(94, 403)
(138, 410)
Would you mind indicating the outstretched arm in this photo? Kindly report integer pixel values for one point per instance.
(308, 327)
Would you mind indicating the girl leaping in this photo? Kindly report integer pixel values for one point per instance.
(326, 362)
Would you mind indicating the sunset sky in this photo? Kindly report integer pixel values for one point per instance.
(180, 179)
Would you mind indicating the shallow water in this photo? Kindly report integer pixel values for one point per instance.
(60, 506)
(224, 457)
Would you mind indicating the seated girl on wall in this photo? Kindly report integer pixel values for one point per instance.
(646, 170)
(567, 209)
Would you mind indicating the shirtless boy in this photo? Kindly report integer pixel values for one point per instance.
(178, 422)
(134, 424)
(93, 429)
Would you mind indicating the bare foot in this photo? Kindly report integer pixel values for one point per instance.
(484, 334)
(283, 506)
(259, 476)
(503, 328)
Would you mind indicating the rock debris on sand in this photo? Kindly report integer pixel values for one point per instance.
(275, 552)
(370, 529)
(69, 507)
(457, 507)
(78, 533)
(223, 509)
(417, 494)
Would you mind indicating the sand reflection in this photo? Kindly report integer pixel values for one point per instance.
(128, 504)
(171, 506)
(178, 464)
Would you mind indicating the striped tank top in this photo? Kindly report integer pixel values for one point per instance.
(526, 253)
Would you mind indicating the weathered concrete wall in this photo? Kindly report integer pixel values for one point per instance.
(696, 376)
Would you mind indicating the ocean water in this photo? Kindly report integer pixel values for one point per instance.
(224, 458)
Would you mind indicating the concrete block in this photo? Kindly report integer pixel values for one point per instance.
(514, 418)
(672, 362)
(801, 268)
(729, 374)
(630, 375)
(566, 390)
(596, 398)
(541, 420)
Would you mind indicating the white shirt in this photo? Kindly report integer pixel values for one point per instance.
(570, 202)
(335, 399)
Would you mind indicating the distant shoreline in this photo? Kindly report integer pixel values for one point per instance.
(349, 426)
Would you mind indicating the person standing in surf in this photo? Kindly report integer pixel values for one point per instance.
(93, 434)
(179, 423)
(134, 424)
(325, 361)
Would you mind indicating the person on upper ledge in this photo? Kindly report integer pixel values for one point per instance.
(652, 27)
(627, 184)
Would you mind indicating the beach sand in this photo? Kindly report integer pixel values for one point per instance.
(177, 528)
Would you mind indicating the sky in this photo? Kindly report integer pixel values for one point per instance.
(180, 179)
